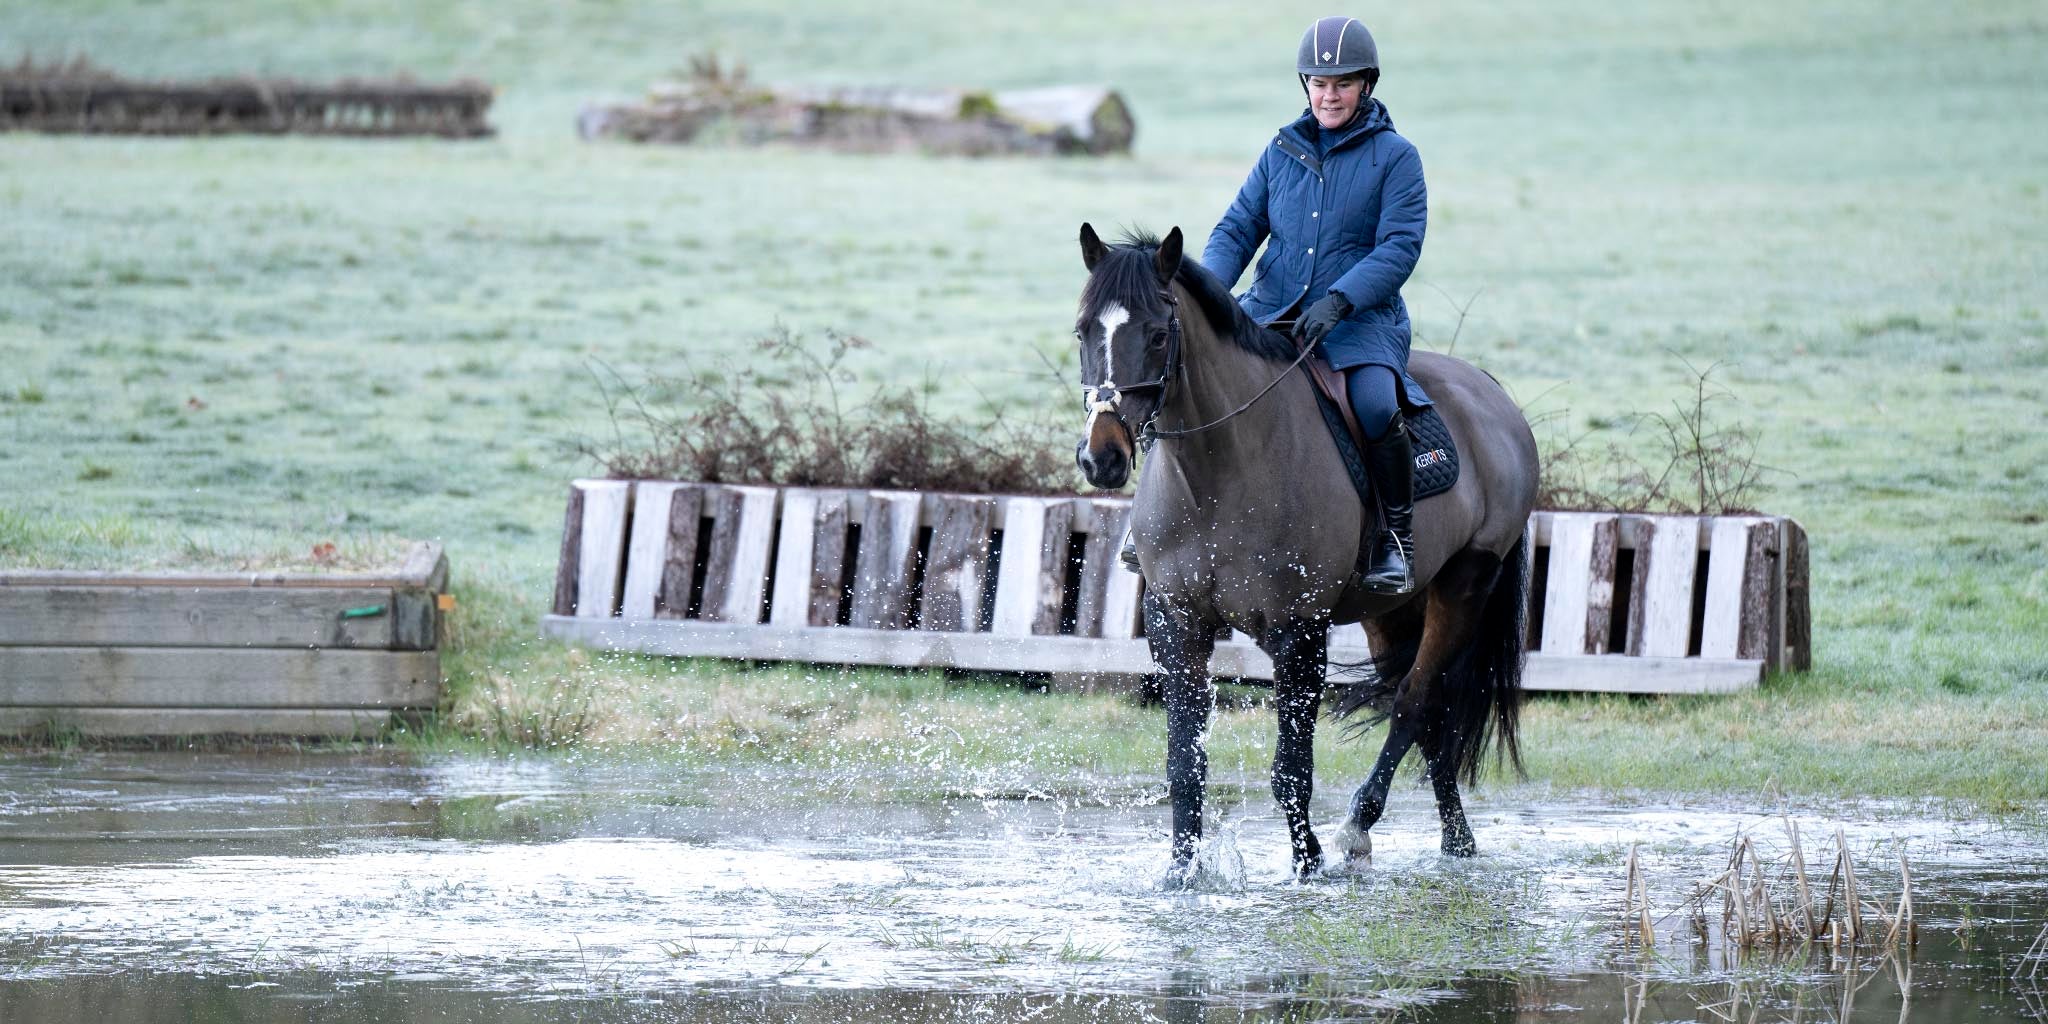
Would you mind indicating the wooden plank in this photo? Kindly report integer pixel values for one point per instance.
(1123, 598)
(572, 554)
(285, 617)
(1600, 585)
(1660, 613)
(415, 620)
(748, 587)
(790, 604)
(956, 568)
(1761, 630)
(1797, 650)
(1017, 577)
(1108, 522)
(882, 567)
(1052, 567)
(828, 558)
(746, 575)
(423, 566)
(198, 677)
(1567, 595)
(679, 551)
(605, 507)
(647, 550)
(1612, 673)
(1620, 673)
(1727, 564)
(322, 723)
(722, 507)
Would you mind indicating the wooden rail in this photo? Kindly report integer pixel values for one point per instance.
(301, 654)
(1619, 603)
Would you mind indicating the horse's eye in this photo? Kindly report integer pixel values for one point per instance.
(1159, 339)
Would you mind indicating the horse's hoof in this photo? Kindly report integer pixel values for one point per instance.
(1306, 868)
(1178, 878)
(1460, 845)
(1353, 846)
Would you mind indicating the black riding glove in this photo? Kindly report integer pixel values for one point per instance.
(1318, 318)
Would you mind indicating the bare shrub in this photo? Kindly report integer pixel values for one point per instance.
(1695, 464)
(786, 419)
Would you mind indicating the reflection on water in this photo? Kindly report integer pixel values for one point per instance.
(176, 887)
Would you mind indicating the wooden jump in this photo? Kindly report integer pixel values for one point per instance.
(155, 654)
(1619, 603)
(90, 101)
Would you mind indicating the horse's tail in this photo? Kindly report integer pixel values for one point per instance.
(1484, 683)
(1482, 687)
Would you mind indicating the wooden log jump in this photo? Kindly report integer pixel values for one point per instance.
(1066, 120)
(80, 99)
(1618, 603)
(157, 654)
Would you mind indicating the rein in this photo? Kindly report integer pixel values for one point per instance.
(1148, 431)
(1152, 433)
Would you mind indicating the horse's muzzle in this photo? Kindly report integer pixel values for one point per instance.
(1106, 454)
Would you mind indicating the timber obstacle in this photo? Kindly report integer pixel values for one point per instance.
(330, 655)
(1618, 603)
(81, 99)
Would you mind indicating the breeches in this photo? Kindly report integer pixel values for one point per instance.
(1375, 398)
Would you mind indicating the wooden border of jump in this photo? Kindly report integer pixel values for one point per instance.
(181, 654)
(1618, 603)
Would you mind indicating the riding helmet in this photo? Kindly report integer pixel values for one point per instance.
(1336, 46)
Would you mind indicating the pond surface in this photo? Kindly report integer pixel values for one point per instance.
(255, 887)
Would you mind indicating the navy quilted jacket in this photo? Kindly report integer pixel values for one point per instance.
(1348, 218)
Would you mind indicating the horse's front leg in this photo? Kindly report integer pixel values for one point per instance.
(1181, 645)
(1298, 650)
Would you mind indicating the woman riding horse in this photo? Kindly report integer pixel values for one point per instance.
(1339, 200)
(1246, 518)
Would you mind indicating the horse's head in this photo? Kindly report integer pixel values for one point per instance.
(1129, 332)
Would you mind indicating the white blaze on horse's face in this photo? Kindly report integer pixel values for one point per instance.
(1112, 317)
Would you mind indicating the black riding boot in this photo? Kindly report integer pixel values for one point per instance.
(1390, 462)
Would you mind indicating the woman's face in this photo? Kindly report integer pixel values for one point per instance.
(1334, 100)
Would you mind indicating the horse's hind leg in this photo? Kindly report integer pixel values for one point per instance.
(1455, 602)
(1298, 650)
(1181, 645)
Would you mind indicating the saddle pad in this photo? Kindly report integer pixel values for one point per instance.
(1436, 456)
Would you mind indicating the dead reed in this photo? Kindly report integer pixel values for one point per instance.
(1758, 902)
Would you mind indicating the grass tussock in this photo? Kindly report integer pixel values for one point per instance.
(1428, 930)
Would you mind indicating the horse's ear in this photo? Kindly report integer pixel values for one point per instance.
(1092, 249)
(1167, 260)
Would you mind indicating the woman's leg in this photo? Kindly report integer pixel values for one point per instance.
(1390, 462)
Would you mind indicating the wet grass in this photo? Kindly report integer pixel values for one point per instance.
(227, 351)
(1419, 931)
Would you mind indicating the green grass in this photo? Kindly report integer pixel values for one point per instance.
(226, 351)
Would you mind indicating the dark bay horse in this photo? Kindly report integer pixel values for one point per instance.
(1252, 524)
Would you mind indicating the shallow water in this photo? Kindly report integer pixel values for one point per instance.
(175, 887)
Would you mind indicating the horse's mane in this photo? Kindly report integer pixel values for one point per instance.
(1126, 271)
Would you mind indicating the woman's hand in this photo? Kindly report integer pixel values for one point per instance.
(1317, 319)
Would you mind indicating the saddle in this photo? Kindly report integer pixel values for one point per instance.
(1436, 454)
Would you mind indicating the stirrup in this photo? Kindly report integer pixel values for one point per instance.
(1128, 555)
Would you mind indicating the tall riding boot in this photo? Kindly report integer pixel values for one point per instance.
(1390, 462)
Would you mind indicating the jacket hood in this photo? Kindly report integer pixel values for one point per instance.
(1368, 122)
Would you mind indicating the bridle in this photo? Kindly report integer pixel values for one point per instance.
(1148, 431)
(1094, 394)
